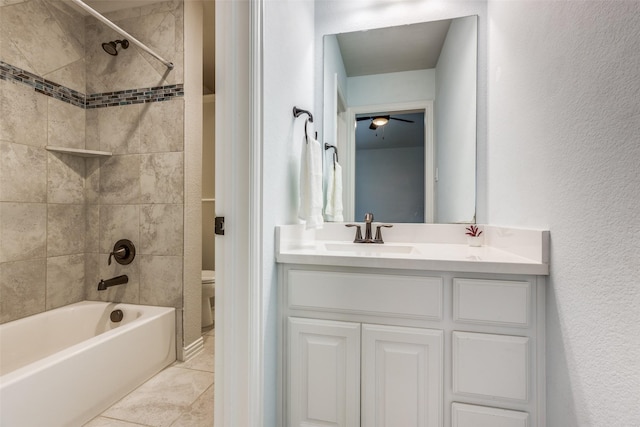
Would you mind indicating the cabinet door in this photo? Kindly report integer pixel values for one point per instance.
(401, 377)
(324, 373)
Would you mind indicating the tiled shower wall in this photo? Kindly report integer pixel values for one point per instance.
(60, 215)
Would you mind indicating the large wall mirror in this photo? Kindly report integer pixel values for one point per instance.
(400, 105)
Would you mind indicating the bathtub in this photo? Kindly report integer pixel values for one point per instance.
(65, 366)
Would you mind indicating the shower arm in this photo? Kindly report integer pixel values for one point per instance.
(113, 26)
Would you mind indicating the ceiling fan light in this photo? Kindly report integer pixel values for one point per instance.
(380, 121)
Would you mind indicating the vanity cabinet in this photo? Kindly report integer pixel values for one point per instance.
(390, 347)
(351, 374)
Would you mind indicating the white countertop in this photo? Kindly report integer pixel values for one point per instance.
(435, 247)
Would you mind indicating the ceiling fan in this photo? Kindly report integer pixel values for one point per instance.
(381, 120)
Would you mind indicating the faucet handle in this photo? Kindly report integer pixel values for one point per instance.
(378, 238)
(358, 238)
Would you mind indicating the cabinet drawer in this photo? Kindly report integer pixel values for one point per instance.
(370, 294)
(495, 302)
(493, 366)
(463, 415)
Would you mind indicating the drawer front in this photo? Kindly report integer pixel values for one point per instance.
(370, 294)
(493, 302)
(463, 415)
(491, 366)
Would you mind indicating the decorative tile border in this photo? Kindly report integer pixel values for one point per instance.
(134, 96)
(41, 85)
(96, 100)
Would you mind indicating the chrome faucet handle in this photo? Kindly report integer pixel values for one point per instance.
(358, 238)
(378, 238)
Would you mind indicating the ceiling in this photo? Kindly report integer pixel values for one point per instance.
(393, 49)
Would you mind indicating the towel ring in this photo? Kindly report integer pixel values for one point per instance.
(328, 146)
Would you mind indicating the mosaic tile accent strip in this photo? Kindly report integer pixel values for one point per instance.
(96, 100)
(134, 96)
(41, 85)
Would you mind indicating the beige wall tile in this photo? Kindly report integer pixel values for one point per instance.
(92, 180)
(92, 227)
(66, 124)
(65, 280)
(23, 230)
(118, 129)
(65, 229)
(40, 37)
(119, 222)
(65, 180)
(120, 179)
(127, 293)
(23, 173)
(22, 286)
(161, 230)
(162, 126)
(23, 119)
(134, 68)
(161, 280)
(161, 178)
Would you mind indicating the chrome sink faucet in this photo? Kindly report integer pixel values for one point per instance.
(368, 236)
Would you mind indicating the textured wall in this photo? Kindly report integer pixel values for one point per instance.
(563, 154)
(42, 239)
(137, 193)
(59, 214)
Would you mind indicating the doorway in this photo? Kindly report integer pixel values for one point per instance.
(390, 166)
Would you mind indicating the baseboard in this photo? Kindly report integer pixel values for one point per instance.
(191, 350)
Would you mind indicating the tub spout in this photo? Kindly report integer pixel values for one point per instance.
(118, 280)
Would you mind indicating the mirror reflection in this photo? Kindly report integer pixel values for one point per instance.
(400, 105)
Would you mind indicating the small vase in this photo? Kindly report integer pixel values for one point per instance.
(475, 241)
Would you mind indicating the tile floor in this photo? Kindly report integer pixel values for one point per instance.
(179, 396)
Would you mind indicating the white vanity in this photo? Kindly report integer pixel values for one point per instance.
(422, 330)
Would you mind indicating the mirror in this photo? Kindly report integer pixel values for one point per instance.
(383, 85)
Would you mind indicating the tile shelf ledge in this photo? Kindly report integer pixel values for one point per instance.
(80, 152)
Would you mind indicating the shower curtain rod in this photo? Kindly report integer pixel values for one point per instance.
(129, 37)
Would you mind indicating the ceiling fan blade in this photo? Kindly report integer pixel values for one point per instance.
(401, 120)
(373, 126)
(363, 118)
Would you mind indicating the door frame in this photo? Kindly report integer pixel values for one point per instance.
(239, 315)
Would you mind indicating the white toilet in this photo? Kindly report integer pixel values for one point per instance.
(208, 292)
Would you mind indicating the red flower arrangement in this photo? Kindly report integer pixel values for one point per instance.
(473, 231)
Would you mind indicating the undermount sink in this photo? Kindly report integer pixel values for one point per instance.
(372, 248)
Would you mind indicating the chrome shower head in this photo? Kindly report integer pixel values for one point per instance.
(111, 47)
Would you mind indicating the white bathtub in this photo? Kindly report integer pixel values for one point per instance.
(65, 366)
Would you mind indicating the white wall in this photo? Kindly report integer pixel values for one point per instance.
(288, 82)
(455, 123)
(564, 154)
(390, 88)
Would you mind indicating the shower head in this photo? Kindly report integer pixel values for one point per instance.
(111, 47)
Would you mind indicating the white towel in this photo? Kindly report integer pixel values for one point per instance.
(333, 209)
(311, 198)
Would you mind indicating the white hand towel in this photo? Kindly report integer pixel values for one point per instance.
(311, 198)
(333, 210)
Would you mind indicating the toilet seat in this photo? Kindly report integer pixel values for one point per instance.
(208, 276)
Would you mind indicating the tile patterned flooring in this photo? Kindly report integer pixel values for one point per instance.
(179, 396)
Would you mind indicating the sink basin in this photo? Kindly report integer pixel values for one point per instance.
(372, 248)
